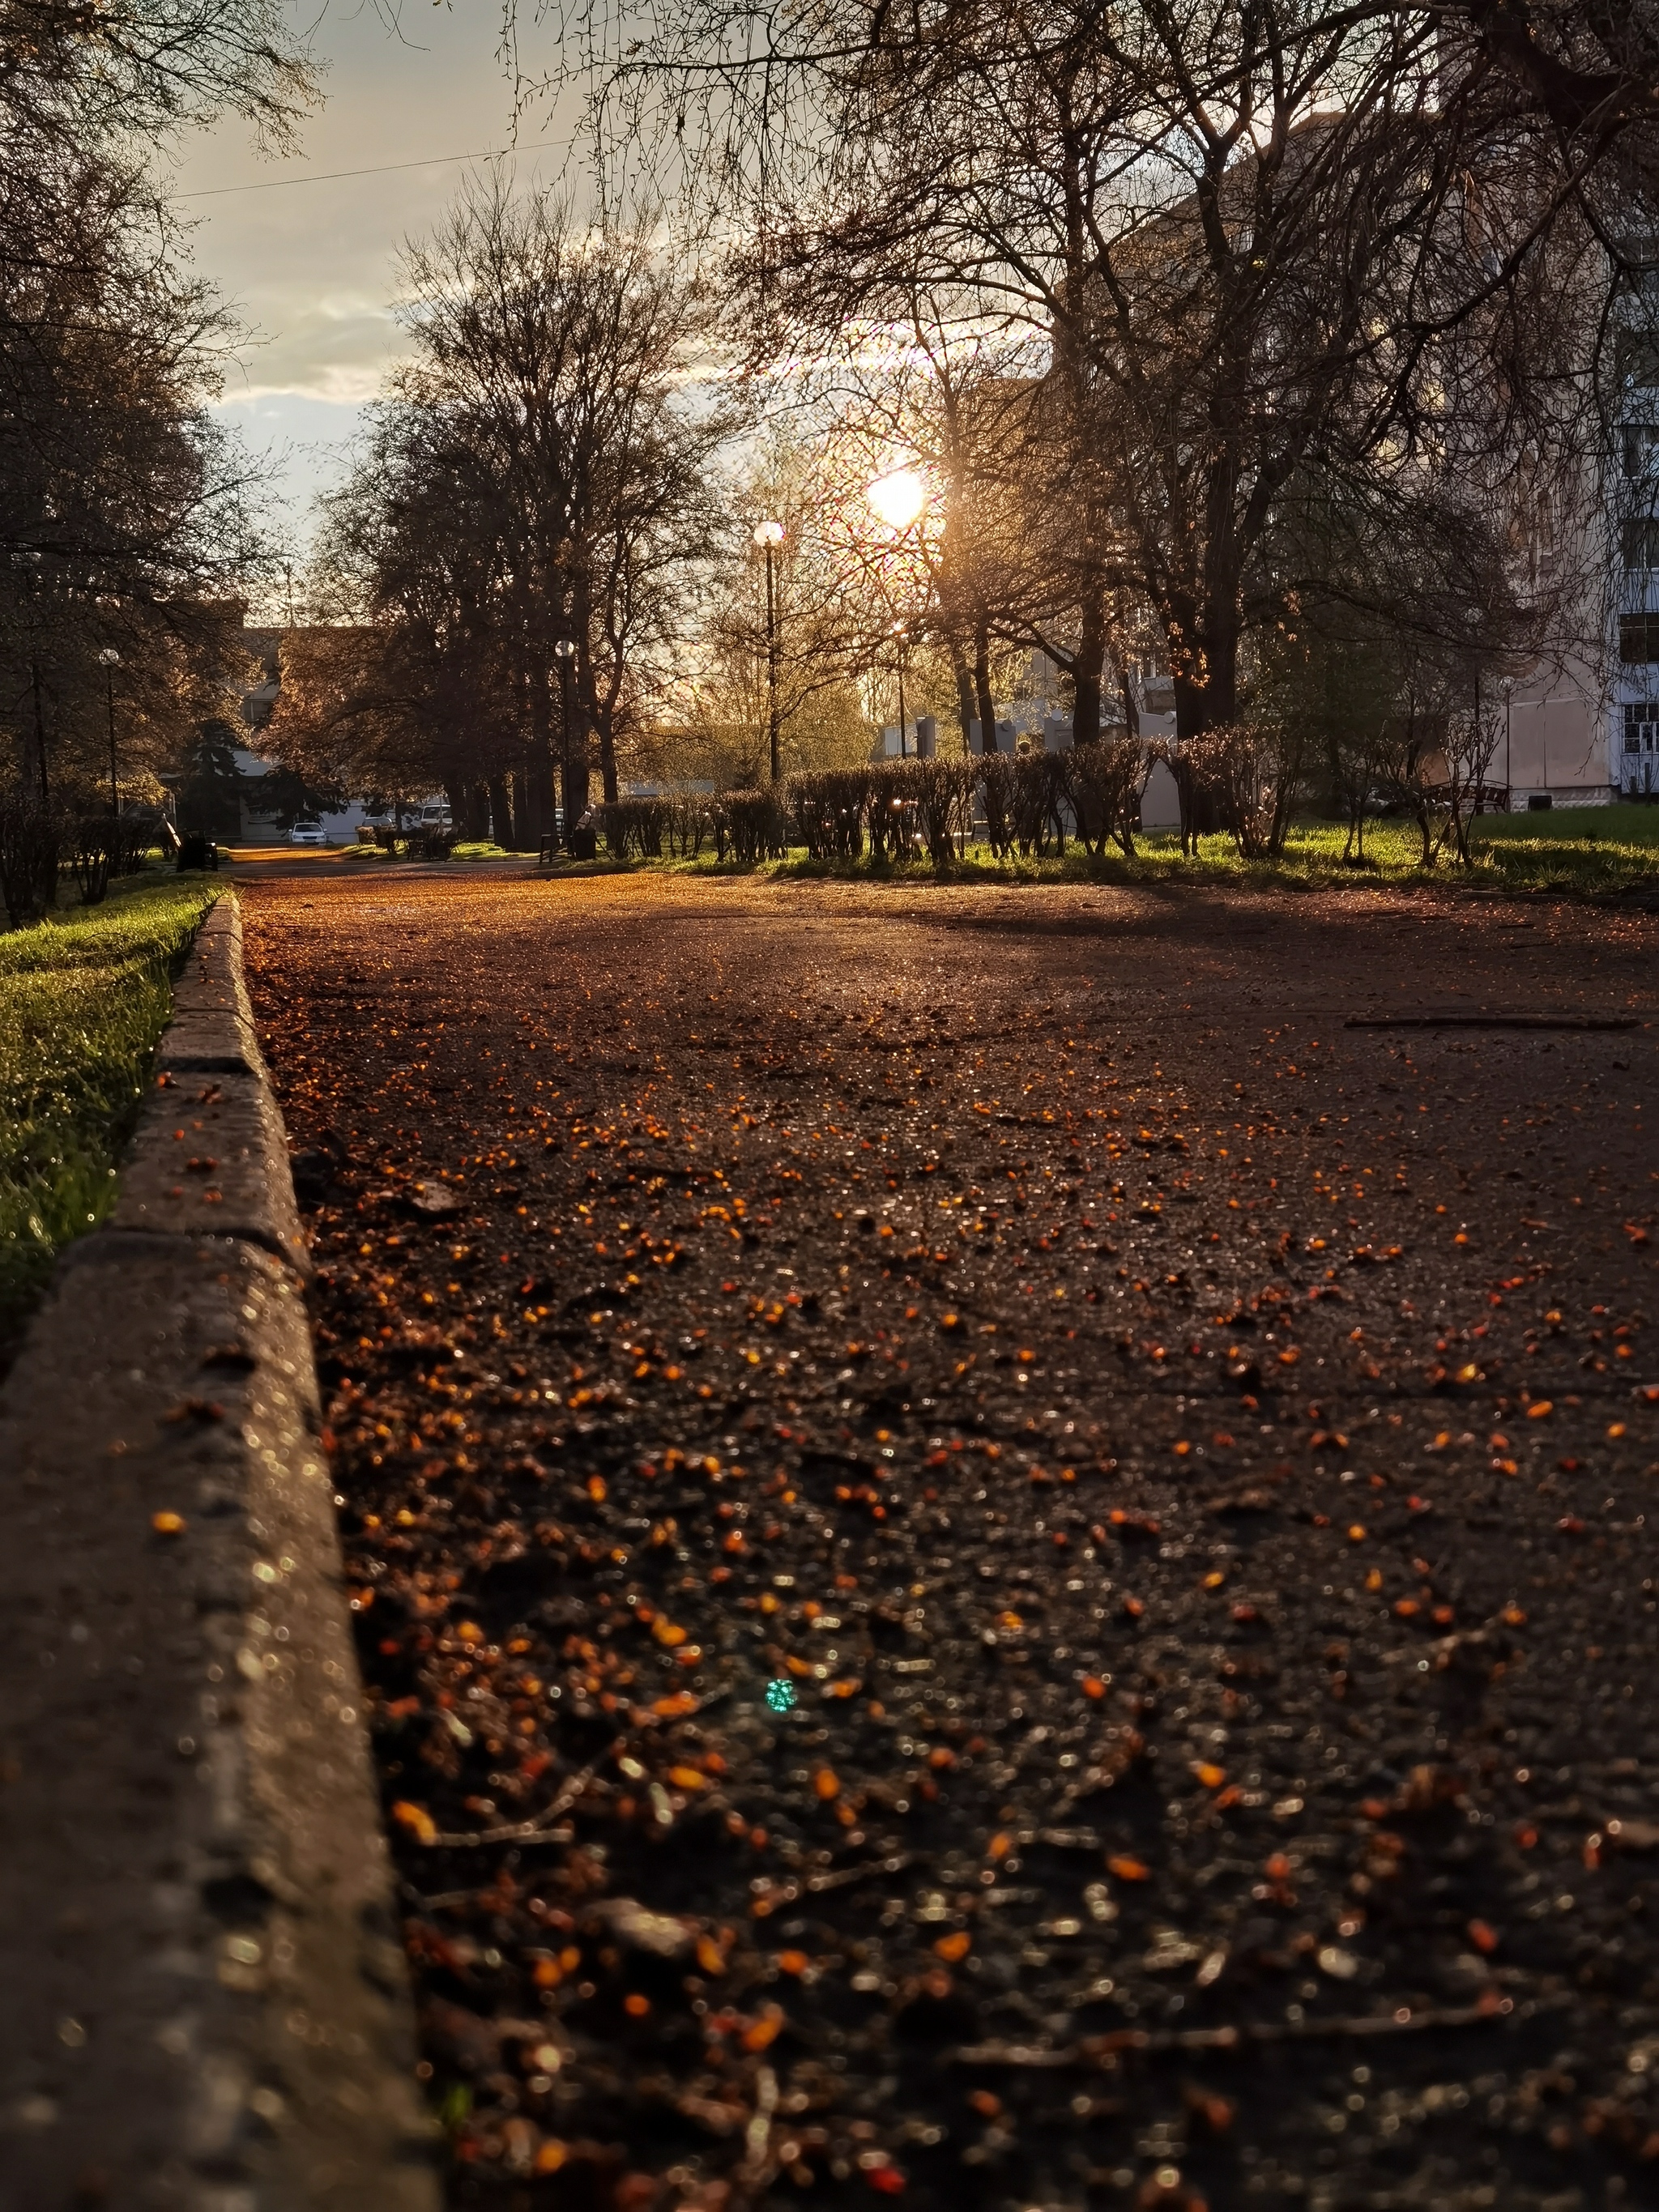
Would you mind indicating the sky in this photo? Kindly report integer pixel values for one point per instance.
(309, 266)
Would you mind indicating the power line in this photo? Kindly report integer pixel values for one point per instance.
(382, 169)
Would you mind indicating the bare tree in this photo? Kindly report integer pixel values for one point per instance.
(125, 536)
(124, 529)
(1257, 246)
(547, 366)
(134, 70)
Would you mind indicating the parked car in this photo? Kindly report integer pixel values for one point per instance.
(307, 831)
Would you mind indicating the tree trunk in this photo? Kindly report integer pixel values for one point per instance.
(1087, 665)
(500, 812)
(606, 724)
(541, 768)
(39, 734)
(964, 698)
(1207, 706)
(1210, 704)
(527, 793)
(987, 713)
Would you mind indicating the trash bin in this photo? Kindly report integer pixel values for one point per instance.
(585, 838)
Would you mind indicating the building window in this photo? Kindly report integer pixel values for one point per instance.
(1641, 727)
(1640, 538)
(1639, 439)
(1638, 639)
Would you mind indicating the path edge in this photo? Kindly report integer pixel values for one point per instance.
(208, 2005)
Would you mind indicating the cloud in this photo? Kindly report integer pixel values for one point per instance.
(310, 265)
(307, 258)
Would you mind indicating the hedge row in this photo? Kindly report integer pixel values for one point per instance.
(903, 810)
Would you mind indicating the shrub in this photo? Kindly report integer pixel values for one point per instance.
(1251, 772)
(132, 835)
(829, 812)
(91, 843)
(891, 816)
(996, 788)
(632, 824)
(1036, 795)
(30, 843)
(685, 824)
(944, 796)
(1104, 782)
(644, 826)
(753, 824)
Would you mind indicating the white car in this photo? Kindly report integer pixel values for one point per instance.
(307, 831)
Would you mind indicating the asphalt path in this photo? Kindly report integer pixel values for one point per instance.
(1001, 1537)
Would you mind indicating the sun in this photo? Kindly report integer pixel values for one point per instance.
(899, 498)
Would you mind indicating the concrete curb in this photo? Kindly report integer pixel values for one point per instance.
(207, 2002)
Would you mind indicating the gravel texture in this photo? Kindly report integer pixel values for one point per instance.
(998, 1561)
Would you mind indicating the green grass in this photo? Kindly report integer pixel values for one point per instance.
(84, 999)
(1600, 853)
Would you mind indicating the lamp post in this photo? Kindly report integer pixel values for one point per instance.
(564, 652)
(1508, 793)
(769, 536)
(109, 660)
(898, 632)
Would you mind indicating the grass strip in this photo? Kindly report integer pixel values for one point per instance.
(83, 1000)
(1590, 851)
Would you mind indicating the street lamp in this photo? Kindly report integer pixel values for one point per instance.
(111, 660)
(564, 652)
(1508, 793)
(899, 633)
(565, 655)
(769, 536)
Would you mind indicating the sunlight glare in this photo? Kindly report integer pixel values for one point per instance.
(899, 498)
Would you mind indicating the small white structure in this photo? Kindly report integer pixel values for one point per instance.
(1160, 803)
